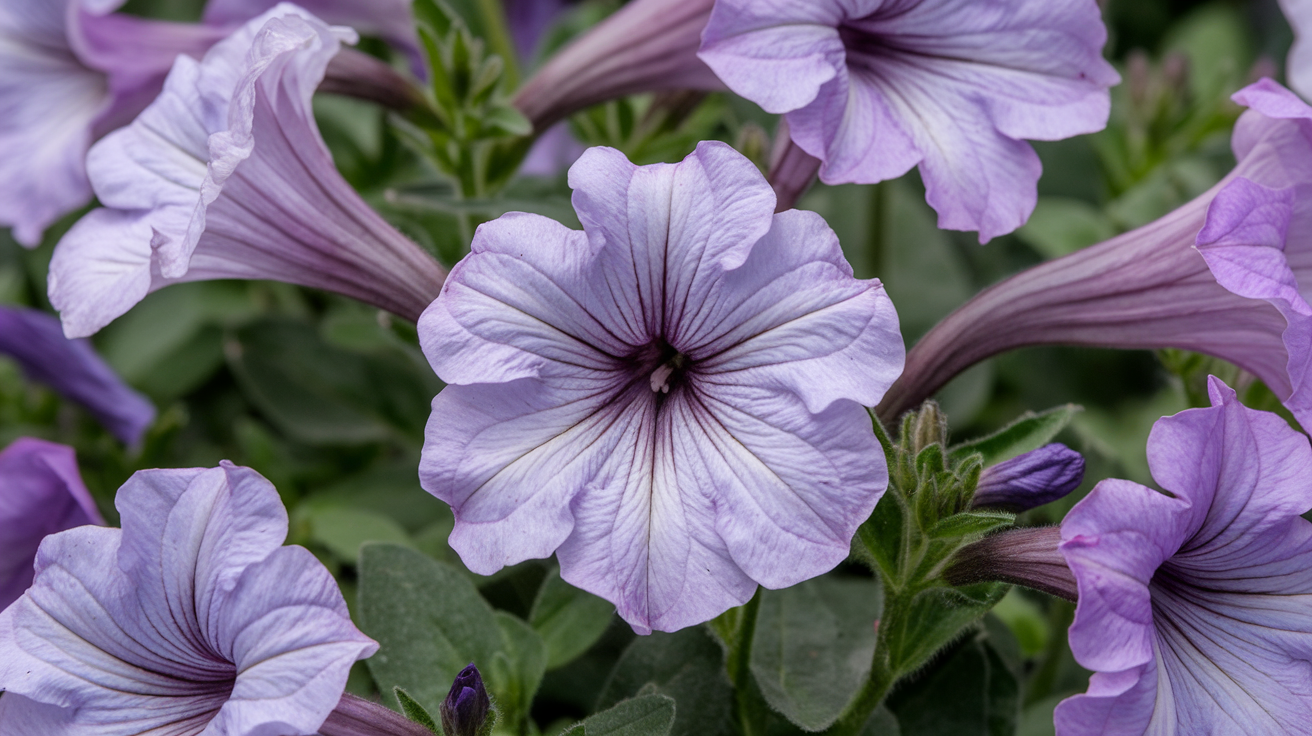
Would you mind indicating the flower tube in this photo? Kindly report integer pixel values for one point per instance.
(226, 176)
(1225, 275)
(71, 71)
(1194, 607)
(41, 493)
(670, 400)
(192, 618)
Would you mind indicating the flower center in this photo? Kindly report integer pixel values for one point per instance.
(660, 378)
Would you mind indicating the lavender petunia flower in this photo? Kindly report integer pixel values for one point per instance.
(192, 618)
(1032, 479)
(875, 87)
(73, 369)
(226, 176)
(669, 400)
(41, 493)
(71, 71)
(1227, 274)
(1194, 607)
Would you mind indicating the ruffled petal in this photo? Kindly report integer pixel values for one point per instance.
(293, 646)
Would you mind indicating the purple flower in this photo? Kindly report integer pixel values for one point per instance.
(72, 368)
(670, 400)
(41, 492)
(1194, 606)
(192, 618)
(1226, 274)
(875, 87)
(71, 71)
(529, 21)
(1031, 480)
(645, 46)
(225, 176)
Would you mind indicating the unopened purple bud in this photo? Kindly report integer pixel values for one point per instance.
(466, 706)
(1031, 480)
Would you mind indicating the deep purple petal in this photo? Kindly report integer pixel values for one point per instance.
(73, 368)
(41, 493)
(1032, 479)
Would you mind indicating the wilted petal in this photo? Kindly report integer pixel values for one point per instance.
(874, 88)
(1193, 607)
(226, 176)
(1227, 274)
(41, 493)
(669, 400)
(191, 618)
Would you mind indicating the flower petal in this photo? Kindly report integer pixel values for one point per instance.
(41, 493)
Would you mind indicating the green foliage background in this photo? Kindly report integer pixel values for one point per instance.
(328, 399)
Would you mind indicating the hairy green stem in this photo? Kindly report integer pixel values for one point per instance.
(747, 701)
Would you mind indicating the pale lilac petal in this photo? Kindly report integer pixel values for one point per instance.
(41, 493)
(72, 368)
(192, 619)
(1217, 578)
(875, 88)
(48, 102)
(226, 176)
(669, 400)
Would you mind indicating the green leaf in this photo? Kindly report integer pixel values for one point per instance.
(1061, 225)
(972, 690)
(647, 715)
(508, 120)
(882, 723)
(429, 621)
(569, 620)
(970, 523)
(933, 618)
(813, 645)
(687, 666)
(1029, 432)
(518, 668)
(325, 395)
(343, 530)
(414, 711)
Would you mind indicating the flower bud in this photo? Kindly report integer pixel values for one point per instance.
(466, 706)
(1030, 480)
(1028, 557)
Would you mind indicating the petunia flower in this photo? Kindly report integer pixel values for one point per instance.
(1299, 64)
(71, 71)
(74, 370)
(670, 400)
(1030, 480)
(1194, 604)
(875, 87)
(1227, 274)
(193, 618)
(225, 175)
(41, 492)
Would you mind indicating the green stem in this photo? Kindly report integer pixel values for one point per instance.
(748, 700)
(494, 20)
